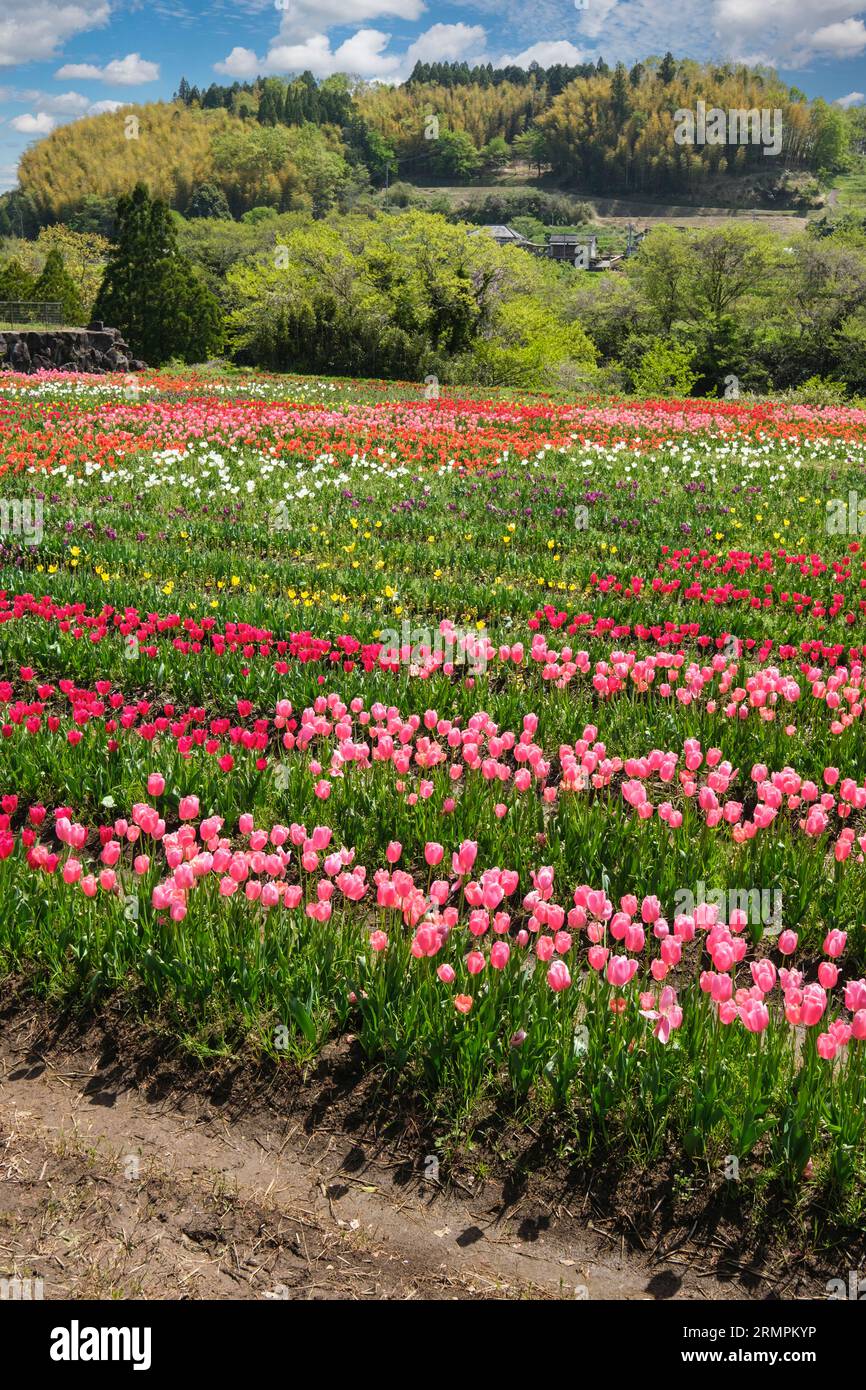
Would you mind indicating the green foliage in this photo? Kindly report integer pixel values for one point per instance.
(84, 256)
(830, 133)
(387, 298)
(152, 293)
(15, 283)
(665, 369)
(208, 201)
(403, 296)
(94, 217)
(454, 156)
(819, 391)
(553, 209)
(529, 346)
(19, 215)
(407, 293)
(56, 285)
(256, 215)
(495, 155)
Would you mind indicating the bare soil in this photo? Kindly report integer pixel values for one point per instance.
(130, 1171)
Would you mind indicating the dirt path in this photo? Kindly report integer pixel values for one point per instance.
(108, 1190)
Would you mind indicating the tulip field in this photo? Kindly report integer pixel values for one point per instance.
(522, 740)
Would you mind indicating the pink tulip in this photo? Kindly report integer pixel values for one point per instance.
(834, 943)
(828, 974)
(499, 954)
(754, 1016)
(621, 970)
(558, 977)
(764, 975)
(71, 871)
(855, 995)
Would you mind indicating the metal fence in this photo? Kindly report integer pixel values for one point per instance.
(31, 313)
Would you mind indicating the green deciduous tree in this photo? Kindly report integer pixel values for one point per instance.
(665, 369)
(453, 155)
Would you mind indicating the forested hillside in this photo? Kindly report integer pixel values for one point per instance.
(315, 146)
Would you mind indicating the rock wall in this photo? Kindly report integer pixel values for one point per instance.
(93, 349)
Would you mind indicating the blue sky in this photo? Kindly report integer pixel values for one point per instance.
(62, 59)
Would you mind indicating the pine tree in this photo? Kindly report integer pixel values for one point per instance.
(668, 68)
(619, 95)
(56, 285)
(15, 283)
(150, 292)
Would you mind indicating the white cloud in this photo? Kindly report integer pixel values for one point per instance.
(28, 124)
(307, 19)
(99, 108)
(241, 63)
(34, 30)
(784, 33)
(846, 39)
(131, 71)
(791, 33)
(852, 99)
(447, 43)
(593, 20)
(60, 104)
(365, 54)
(546, 53)
(78, 72)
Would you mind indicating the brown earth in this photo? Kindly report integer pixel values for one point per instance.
(130, 1172)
